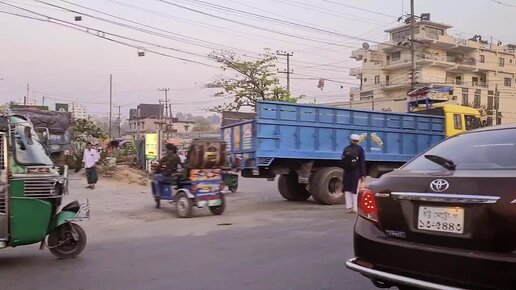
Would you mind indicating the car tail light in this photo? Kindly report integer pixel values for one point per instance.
(367, 207)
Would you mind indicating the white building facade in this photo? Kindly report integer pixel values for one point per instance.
(78, 111)
(482, 74)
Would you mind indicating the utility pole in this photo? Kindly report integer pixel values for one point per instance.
(110, 104)
(412, 46)
(160, 113)
(166, 108)
(165, 101)
(496, 104)
(27, 95)
(43, 101)
(288, 72)
(119, 121)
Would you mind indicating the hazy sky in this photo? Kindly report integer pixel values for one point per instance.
(66, 65)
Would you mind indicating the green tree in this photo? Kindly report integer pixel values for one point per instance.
(83, 129)
(247, 81)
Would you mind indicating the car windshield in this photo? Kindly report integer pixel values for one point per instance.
(29, 149)
(494, 149)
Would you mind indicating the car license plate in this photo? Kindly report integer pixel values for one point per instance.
(214, 202)
(441, 219)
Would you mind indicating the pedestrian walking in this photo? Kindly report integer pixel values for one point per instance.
(353, 163)
(90, 161)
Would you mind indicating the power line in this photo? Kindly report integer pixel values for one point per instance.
(199, 23)
(289, 23)
(359, 8)
(503, 3)
(99, 33)
(123, 25)
(181, 37)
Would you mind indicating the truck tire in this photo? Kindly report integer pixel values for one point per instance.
(290, 189)
(326, 186)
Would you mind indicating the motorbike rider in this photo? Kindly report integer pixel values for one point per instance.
(168, 165)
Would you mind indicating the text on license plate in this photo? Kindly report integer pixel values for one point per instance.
(441, 219)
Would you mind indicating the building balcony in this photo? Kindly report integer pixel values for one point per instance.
(355, 72)
(390, 86)
(441, 82)
(358, 54)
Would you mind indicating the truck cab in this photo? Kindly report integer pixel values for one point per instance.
(458, 119)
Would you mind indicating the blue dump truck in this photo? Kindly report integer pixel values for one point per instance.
(303, 143)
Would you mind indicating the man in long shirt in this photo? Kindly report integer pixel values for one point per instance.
(353, 158)
(90, 160)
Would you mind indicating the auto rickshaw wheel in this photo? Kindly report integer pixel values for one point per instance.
(219, 209)
(62, 244)
(184, 205)
(158, 202)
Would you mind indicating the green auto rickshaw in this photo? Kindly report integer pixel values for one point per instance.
(31, 191)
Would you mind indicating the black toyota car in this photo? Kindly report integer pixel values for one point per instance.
(446, 219)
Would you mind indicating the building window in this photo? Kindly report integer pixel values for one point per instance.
(365, 80)
(376, 80)
(434, 32)
(396, 55)
(482, 58)
(474, 81)
(501, 62)
(507, 82)
(387, 80)
(465, 100)
(476, 101)
(365, 60)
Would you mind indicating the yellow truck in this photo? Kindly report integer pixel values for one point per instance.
(458, 118)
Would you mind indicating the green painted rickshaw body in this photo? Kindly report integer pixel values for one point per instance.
(30, 217)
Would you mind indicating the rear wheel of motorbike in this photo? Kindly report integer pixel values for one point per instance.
(184, 206)
(62, 244)
(290, 189)
(327, 186)
(219, 209)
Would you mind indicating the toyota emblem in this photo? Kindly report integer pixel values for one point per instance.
(439, 185)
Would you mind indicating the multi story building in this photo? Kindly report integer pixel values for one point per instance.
(148, 118)
(482, 74)
(78, 111)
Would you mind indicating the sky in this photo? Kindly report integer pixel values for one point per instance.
(74, 65)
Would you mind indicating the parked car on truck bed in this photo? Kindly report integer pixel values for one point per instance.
(445, 220)
(303, 143)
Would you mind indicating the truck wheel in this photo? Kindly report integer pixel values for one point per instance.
(233, 188)
(326, 186)
(290, 189)
(61, 243)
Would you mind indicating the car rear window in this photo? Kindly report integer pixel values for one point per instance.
(476, 151)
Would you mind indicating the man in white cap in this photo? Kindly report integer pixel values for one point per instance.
(353, 163)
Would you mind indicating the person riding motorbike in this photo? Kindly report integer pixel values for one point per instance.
(168, 166)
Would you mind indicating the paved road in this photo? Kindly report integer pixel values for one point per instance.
(261, 242)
